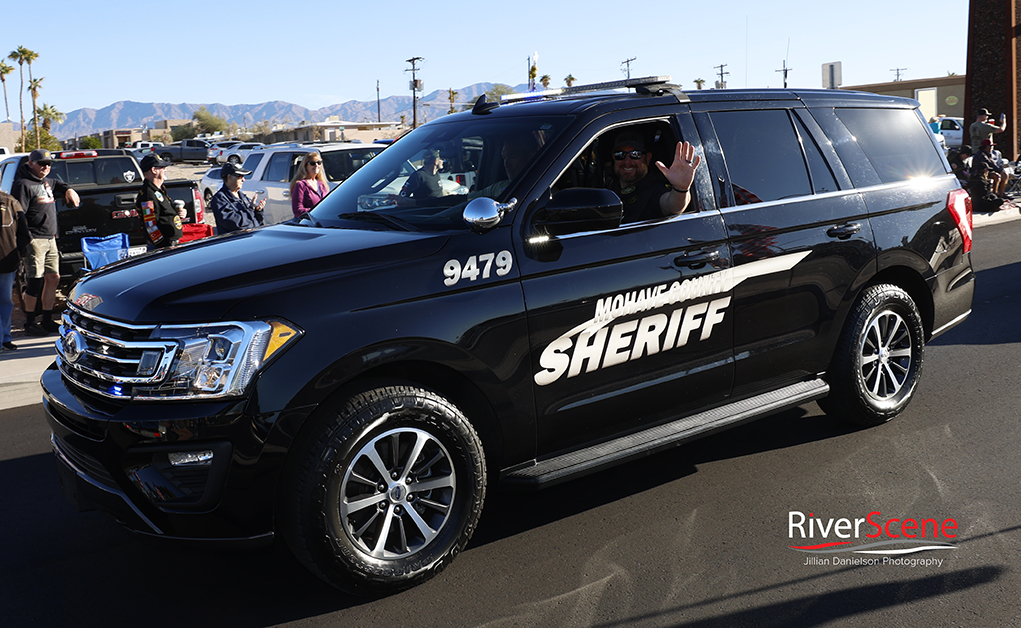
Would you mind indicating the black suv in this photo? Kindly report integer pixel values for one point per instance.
(354, 379)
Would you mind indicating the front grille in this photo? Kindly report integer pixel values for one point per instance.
(111, 358)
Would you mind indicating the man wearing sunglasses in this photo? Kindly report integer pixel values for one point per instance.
(233, 210)
(649, 196)
(34, 189)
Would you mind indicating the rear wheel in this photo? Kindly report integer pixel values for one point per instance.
(234, 159)
(167, 157)
(878, 360)
(385, 490)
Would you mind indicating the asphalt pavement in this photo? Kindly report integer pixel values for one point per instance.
(20, 370)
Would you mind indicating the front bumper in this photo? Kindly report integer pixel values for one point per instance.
(117, 458)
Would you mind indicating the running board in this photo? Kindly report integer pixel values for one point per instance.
(574, 464)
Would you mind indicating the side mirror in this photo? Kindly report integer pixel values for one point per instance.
(581, 209)
(484, 213)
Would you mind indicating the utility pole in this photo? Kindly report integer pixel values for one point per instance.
(722, 83)
(898, 71)
(627, 62)
(415, 88)
(785, 70)
(379, 113)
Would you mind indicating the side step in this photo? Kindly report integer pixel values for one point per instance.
(551, 471)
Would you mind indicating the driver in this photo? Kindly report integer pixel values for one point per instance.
(517, 151)
(647, 196)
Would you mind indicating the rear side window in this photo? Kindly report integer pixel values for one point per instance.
(341, 164)
(763, 155)
(279, 167)
(252, 161)
(896, 141)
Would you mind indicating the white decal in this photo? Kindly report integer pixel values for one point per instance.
(477, 266)
(599, 347)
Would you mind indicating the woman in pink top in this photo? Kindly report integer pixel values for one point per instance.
(309, 185)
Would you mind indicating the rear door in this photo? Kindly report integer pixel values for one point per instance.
(275, 185)
(800, 235)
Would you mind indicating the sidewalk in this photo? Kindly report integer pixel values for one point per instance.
(20, 370)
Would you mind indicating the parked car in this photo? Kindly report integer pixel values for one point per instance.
(143, 144)
(210, 183)
(273, 168)
(107, 181)
(185, 150)
(357, 380)
(952, 130)
(236, 154)
(215, 150)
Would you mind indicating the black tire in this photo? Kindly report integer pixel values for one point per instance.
(167, 157)
(234, 159)
(878, 360)
(367, 532)
(208, 196)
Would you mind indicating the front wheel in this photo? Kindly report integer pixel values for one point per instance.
(385, 490)
(167, 157)
(878, 359)
(234, 159)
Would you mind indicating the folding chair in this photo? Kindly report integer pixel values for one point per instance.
(102, 251)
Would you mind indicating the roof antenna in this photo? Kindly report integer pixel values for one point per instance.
(483, 107)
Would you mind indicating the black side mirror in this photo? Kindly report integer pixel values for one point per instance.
(581, 209)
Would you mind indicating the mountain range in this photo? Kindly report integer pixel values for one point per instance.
(128, 114)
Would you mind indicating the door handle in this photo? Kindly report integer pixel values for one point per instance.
(697, 259)
(843, 232)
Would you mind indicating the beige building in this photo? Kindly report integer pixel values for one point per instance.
(335, 130)
(943, 95)
(8, 137)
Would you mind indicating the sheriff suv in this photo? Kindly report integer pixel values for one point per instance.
(356, 379)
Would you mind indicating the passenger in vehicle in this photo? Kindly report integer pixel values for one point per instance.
(309, 185)
(517, 151)
(648, 196)
(425, 182)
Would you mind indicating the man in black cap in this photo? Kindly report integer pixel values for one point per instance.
(425, 182)
(161, 220)
(34, 189)
(233, 210)
(648, 196)
(981, 129)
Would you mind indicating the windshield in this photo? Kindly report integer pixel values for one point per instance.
(423, 181)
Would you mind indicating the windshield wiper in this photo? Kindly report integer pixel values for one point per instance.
(377, 217)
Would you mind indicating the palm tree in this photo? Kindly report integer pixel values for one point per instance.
(4, 71)
(34, 86)
(50, 114)
(545, 80)
(30, 56)
(699, 83)
(19, 55)
(569, 79)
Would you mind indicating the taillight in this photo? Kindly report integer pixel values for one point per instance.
(461, 179)
(200, 207)
(959, 204)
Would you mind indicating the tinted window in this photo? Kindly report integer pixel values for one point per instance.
(822, 176)
(896, 142)
(763, 155)
(111, 171)
(340, 164)
(949, 125)
(279, 167)
(252, 161)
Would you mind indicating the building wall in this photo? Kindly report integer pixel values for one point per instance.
(950, 92)
(8, 136)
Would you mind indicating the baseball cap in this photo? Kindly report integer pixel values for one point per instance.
(629, 138)
(984, 112)
(152, 161)
(40, 155)
(988, 142)
(232, 169)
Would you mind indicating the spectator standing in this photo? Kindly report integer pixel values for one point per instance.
(34, 190)
(162, 222)
(309, 185)
(982, 129)
(13, 237)
(425, 182)
(233, 210)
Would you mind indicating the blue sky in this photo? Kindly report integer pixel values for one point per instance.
(313, 54)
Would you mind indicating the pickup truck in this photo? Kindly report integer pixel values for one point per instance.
(185, 150)
(107, 181)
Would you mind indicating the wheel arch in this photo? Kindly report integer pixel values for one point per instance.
(911, 282)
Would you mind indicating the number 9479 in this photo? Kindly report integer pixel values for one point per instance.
(477, 266)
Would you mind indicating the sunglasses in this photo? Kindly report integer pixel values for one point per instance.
(621, 154)
(44, 164)
(315, 163)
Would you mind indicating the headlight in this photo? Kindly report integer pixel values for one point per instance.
(218, 359)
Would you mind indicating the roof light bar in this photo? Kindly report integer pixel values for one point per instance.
(592, 87)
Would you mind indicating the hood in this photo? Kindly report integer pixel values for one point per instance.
(24, 172)
(202, 281)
